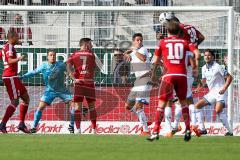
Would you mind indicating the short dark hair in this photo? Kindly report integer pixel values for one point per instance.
(12, 34)
(173, 27)
(211, 51)
(50, 50)
(175, 19)
(84, 40)
(137, 35)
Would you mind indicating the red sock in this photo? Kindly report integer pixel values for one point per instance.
(93, 117)
(23, 111)
(158, 119)
(186, 117)
(9, 112)
(77, 118)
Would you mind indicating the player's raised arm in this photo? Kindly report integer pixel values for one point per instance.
(200, 37)
(32, 73)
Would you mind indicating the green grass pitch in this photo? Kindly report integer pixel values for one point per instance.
(112, 147)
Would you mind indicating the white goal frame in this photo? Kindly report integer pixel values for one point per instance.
(227, 9)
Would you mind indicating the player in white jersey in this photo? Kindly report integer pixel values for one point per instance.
(141, 67)
(217, 80)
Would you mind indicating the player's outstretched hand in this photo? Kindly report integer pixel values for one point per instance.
(222, 91)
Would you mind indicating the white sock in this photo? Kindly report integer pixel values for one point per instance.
(192, 114)
(224, 120)
(177, 115)
(200, 118)
(143, 119)
(168, 118)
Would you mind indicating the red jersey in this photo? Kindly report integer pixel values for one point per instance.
(173, 51)
(190, 33)
(8, 51)
(84, 64)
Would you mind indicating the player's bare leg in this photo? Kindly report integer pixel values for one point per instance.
(158, 119)
(8, 114)
(199, 115)
(23, 111)
(38, 116)
(223, 117)
(93, 116)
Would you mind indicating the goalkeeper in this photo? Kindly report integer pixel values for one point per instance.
(53, 74)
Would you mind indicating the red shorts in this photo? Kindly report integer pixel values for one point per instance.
(170, 83)
(14, 86)
(86, 90)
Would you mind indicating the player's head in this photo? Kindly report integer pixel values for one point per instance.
(209, 56)
(173, 28)
(137, 40)
(51, 56)
(12, 37)
(85, 44)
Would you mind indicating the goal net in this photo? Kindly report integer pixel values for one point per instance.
(60, 28)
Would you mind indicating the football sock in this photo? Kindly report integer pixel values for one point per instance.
(177, 116)
(9, 112)
(37, 117)
(158, 119)
(192, 113)
(186, 117)
(77, 117)
(72, 117)
(223, 118)
(200, 118)
(23, 111)
(93, 117)
(143, 119)
(168, 118)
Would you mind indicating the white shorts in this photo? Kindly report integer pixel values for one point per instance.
(213, 96)
(141, 91)
(190, 81)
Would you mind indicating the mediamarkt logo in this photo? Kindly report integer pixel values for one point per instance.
(42, 128)
(111, 129)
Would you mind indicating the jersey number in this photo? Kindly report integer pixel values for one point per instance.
(84, 64)
(175, 52)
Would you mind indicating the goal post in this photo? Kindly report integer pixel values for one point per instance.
(110, 27)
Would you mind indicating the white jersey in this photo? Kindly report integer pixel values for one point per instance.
(139, 68)
(214, 75)
(188, 66)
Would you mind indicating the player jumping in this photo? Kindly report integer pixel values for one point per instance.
(217, 80)
(13, 84)
(191, 34)
(54, 78)
(140, 93)
(172, 51)
(81, 66)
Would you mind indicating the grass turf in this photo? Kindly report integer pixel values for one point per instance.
(90, 147)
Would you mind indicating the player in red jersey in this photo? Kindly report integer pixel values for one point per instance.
(13, 84)
(83, 63)
(191, 34)
(172, 51)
